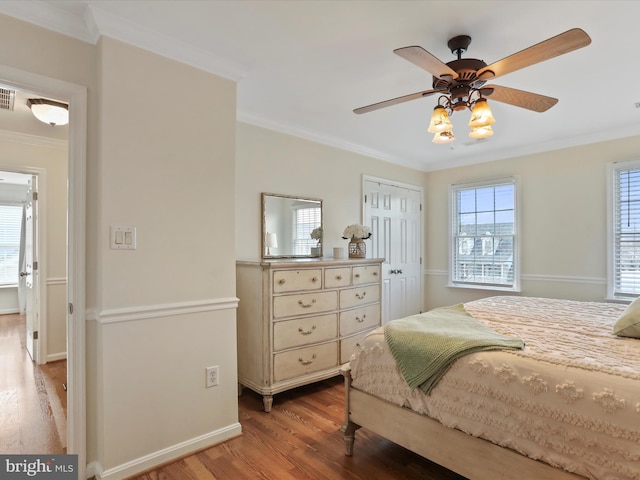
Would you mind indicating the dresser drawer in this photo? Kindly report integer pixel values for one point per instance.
(303, 303)
(297, 280)
(366, 274)
(303, 331)
(302, 361)
(352, 321)
(352, 297)
(337, 277)
(348, 346)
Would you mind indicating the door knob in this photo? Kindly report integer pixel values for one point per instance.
(24, 274)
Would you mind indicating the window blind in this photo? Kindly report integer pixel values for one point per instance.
(626, 232)
(305, 220)
(483, 250)
(10, 228)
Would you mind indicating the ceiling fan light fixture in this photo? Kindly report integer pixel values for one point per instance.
(49, 111)
(481, 132)
(440, 121)
(444, 137)
(481, 115)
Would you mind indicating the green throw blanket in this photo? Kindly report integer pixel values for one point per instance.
(426, 345)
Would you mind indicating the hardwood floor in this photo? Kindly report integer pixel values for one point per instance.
(300, 440)
(32, 398)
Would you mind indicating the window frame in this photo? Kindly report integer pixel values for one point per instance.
(20, 206)
(452, 219)
(613, 170)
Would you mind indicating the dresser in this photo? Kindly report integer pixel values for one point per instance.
(300, 319)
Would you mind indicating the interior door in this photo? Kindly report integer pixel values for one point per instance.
(31, 269)
(394, 214)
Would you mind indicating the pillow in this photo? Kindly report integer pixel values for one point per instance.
(628, 324)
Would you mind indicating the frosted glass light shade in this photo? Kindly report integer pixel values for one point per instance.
(271, 240)
(481, 115)
(439, 120)
(481, 132)
(49, 111)
(444, 137)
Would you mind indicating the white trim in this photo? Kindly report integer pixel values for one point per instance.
(165, 455)
(9, 311)
(33, 140)
(56, 281)
(76, 96)
(166, 310)
(537, 278)
(54, 357)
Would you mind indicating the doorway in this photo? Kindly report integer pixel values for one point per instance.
(76, 97)
(393, 211)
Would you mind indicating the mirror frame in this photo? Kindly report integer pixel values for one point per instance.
(263, 242)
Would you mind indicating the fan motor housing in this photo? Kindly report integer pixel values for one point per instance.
(466, 68)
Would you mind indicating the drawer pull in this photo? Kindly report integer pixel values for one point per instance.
(306, 305)
(307, 362)
(282, 281)
(375, 274)
(338, 277)
(360, 320)
(357, 275)
(314, 279)
(360, 296)
(306, 332)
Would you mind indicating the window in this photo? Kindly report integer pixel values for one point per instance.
(10, 227)
(624, 228)
(484, 244)
(305, 220)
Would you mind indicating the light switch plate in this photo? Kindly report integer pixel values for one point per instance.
(122, 237)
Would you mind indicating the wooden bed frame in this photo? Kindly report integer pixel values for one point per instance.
(469, 456)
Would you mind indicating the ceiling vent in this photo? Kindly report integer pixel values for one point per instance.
(7, 98)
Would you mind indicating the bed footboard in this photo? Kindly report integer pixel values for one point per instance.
(348, 428)
(482, 460)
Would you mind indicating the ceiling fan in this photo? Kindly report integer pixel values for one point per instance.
(461, 82)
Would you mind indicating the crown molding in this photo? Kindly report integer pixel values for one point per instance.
(35, 140)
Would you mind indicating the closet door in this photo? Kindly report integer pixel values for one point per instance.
(394, 214)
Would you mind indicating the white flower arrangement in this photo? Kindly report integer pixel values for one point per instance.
(316, 234)
(356, 231)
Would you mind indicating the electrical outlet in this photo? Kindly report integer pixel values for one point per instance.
(212, 376)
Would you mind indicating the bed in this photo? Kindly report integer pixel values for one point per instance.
(567, 406)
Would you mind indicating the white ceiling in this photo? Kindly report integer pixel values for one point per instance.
(303, 66)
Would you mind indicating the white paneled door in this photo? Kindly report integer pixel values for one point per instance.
(30, 271)
(394, 214)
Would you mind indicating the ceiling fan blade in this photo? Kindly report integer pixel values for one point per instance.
(395, 101)
(559, 45)
(420, 57)
(518, 98)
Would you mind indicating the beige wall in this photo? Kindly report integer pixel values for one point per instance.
(268, 161)
(562, 218)
(160, 157)
(166, 167)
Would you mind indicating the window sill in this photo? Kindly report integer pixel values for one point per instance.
(15, 285)
(495, 288)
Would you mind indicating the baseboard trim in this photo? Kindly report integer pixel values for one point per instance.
(160, 457)
(54, 357)
(166, 310)
(9, 311)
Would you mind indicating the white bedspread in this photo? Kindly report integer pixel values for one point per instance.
(571, 398)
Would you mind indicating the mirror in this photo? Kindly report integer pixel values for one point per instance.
(291, 226)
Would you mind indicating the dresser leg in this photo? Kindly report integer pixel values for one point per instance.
(268, 402)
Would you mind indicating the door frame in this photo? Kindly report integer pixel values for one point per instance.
(76, 96)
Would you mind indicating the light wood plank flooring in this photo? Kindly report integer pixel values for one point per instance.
(300, 440)
(32, 398)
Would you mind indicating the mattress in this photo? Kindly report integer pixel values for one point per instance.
(570, 398)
